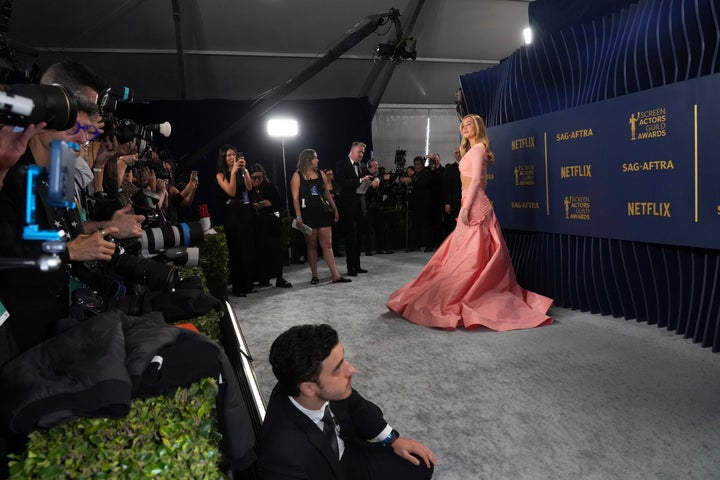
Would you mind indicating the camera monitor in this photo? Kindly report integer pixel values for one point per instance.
(60, 177)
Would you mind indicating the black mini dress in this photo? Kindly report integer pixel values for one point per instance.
(312, 199)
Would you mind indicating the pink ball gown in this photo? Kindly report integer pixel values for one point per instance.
(470, 281)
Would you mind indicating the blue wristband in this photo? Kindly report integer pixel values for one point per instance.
(390, 439)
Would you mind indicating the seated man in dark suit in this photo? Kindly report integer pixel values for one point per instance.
(318, 427)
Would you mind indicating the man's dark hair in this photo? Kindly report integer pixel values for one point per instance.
(296, 355)
(74, 76)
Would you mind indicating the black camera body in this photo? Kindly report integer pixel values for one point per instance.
(128, 130)
(160, 171)
(125, 129)
(125, 270)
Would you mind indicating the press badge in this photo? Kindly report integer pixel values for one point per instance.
(314, 190)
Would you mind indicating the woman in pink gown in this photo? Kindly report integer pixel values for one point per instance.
(470, 281)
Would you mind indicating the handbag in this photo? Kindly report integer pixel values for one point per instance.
(327, 208)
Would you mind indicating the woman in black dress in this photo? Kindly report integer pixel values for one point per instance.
(315, 207)
(234, 179)
(268, 229)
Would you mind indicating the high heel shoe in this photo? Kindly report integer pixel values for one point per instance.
(314, 281)
(342, 280)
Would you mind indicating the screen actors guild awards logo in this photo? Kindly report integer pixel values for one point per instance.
(577, 208)
(632, 122)
(648, 124)
(524, 175)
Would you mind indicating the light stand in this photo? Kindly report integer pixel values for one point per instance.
(283, 128)
(287, 199)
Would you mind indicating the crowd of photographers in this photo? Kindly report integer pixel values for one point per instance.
(121, 190)
(426, 192)
(90, 234)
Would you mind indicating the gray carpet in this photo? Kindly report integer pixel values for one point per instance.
(588, 397)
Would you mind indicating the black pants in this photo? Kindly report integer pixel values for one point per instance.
(375, 223)
(240, 235)
(375, 462)
(449, 221)
(268, 247)
(351, 218)
(421, 233)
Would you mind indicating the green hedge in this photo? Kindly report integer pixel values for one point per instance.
(167, 436)
(214, 257)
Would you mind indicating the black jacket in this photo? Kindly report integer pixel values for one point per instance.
(94, 369)
(452, 188)
(34, 299)
(292, 446)
(347, 182)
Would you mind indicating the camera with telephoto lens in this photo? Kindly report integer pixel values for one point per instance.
(167, 243)
(125, 129)
(172, 243)
(125, 268)
(23, 104)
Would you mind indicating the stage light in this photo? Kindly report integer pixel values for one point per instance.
(527, 35)
(282, 127)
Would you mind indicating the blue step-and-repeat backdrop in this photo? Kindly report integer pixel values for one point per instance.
(642, 167)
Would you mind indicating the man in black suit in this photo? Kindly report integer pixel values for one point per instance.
(420, 207)
(452, 193)
(375, 217)
(349, 175)
(317, 427)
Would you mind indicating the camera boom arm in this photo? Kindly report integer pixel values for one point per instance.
(263, 103)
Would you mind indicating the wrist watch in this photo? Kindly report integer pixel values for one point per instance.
(390, 439)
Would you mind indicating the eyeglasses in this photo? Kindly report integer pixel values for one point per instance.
(90, 130)
(256, 177)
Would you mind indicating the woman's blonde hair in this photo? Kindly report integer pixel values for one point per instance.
(480, 135)
(305, 161)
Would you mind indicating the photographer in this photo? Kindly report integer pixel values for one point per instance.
(107, 159)
(124, 219)
(175, 199)
(34, 299)
(374, 221)
(437, 172)
(67, 372)
(420, 206)
(402, 186)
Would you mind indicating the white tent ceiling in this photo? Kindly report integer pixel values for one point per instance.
(240, 49)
